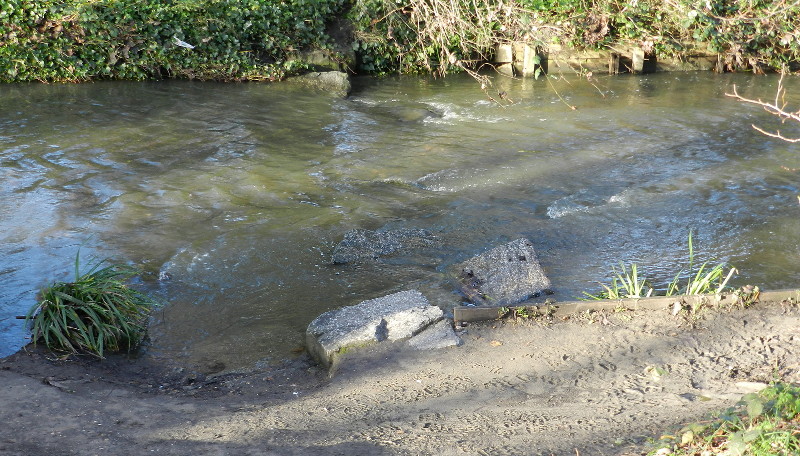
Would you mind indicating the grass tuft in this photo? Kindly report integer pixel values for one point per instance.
(624, 284)
(705, 280)
(95, 314)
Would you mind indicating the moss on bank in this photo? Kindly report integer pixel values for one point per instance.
(80, 40)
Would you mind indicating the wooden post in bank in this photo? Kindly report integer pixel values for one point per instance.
(525, 59)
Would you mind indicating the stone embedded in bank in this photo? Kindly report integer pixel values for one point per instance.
(503, 276)
(396, 316)
(435, 336)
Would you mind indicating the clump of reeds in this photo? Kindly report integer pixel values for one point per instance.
(95, 314)
(705, 280)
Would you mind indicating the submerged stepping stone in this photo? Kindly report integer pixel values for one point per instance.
(333, 82)
(396, 316)
(503, 276)
(360, 245)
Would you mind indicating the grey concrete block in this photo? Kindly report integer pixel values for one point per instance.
(391, 317)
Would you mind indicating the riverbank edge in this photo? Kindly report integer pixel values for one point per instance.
(97, 400)
(80, 41)
(168, 377)
(675, 304)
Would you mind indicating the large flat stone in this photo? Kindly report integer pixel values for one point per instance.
(503, 276)
(396, 316)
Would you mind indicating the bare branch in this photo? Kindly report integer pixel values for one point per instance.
(777, 134)
(777, 108)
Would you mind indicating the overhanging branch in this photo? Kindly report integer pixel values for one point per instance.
(777, 108)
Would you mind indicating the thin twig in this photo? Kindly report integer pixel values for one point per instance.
(777, 135)
(559, 95)
(777, 108)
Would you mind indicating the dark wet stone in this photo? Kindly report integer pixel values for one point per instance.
(503, 276)
(361, 245)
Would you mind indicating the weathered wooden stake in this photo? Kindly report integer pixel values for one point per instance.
(613, 63)
(525, 59)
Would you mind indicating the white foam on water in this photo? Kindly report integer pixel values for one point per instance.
(623, 198)
(584, 201)
(560, 208)
(452, 114)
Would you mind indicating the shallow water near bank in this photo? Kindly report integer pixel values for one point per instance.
(240, 192)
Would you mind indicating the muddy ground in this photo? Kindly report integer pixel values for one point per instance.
(590, 384)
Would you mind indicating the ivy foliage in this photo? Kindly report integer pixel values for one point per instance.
(79, 40)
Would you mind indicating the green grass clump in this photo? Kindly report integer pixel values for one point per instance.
(704, 281)
(624, 284)
(761, 424)
(96, 313)
(628, 284)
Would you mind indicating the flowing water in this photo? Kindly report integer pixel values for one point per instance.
(240, 192)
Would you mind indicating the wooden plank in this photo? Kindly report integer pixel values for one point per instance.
(565, 60)
(628, 56)
(483, 313)
(613, 63)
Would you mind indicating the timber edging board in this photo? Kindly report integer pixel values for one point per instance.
(482, 313)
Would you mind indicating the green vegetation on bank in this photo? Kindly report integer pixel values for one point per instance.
(96, 313)
(761, 424)
(441, 36)
(80, 40)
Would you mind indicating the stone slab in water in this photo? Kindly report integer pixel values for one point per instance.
(503, 276)
(396, 316)
(360, 245)
(437, 335)
(335, 82)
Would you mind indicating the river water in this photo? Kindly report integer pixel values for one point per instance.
(240, 192)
